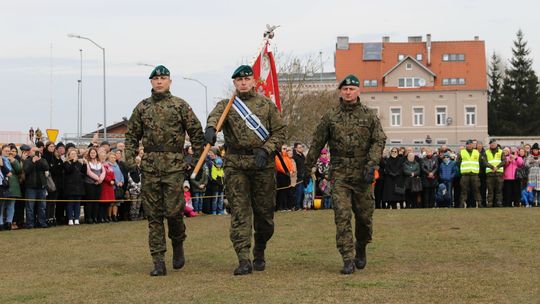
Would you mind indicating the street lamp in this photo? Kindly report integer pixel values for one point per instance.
(145, 64)
(205, 92)
(104, 84)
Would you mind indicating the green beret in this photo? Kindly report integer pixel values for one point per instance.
(350, 80)
(160, 71)
(242, 71)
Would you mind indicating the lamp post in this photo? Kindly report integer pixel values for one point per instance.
(205, 92)
(104, 83)
(145, 64)
(80, 104)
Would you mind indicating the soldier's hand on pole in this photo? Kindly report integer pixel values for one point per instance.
(210, 135)
(261, 157)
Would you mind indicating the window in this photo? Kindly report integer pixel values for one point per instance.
(440, 116)
(395, 141)
(418, 116)
(370, 83)
(453, 81)
(470, 116)
(418, 142)
(395, 117)
(408, 66)
(400, 57)
(409, 82)
(453, 57)
(441, 141)
(419, 57)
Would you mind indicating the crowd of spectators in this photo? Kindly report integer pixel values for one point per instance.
(47, 184)
(473, 176)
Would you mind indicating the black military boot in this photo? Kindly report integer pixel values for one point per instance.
(348, 267)
(243, 268)
(360, 260)
(259, 264)
(178, 256)
(159, 269)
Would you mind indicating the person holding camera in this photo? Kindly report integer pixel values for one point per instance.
(36, 188)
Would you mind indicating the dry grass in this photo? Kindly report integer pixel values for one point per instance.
(418, 256)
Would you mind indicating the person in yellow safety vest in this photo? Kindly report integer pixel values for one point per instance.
(494, 162)
(468, 162)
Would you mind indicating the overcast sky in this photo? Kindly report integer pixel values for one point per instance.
(206, 40)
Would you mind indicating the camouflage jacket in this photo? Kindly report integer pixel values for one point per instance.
(161, 121)
(355, 138)
(239, 136)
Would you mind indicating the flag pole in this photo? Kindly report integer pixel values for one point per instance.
(269, 34)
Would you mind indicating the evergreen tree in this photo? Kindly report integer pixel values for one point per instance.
(520, 94)
(494, 94)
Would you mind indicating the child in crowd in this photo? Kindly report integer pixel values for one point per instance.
(188, 209)
(443, 198)
(216, 186)
(308, 194)
(326, 189)
(527, 196)
(198, 188)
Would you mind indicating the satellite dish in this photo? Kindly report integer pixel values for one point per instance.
(422, 82)
(449, 121)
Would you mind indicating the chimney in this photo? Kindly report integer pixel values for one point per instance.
(476, 38)
(428, 47)
(342, 43)
(386, 39)
(415, 39)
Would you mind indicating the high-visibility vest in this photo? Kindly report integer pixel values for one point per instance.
(494, 160)
(470, 163)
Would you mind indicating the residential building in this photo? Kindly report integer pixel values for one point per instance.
(425, 92)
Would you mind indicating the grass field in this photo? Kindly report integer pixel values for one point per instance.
(417, 256)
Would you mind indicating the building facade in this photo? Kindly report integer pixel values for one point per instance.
(425, 92)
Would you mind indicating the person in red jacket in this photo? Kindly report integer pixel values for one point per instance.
(107, 188)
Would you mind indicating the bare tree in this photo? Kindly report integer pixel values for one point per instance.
(302, 106)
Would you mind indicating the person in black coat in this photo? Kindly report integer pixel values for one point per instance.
(36, 187)
(394, 185)
(301, 174)
(73, 186)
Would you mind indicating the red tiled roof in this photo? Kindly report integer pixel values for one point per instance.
(473, 69)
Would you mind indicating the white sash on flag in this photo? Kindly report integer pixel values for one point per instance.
(252, 121)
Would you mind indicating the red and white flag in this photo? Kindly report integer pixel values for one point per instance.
(264, 72)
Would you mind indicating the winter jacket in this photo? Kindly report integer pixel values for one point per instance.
(14, 184)
(200, 179)
(511, 166)
(216, 179)
(107, 190)
(429, 165)
(447, 172)
(35, 173)
(300, 161)
(73, 178)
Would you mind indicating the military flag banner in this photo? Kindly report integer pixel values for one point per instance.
(264, 72)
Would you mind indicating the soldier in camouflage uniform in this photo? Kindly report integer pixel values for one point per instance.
(160, 122)
(249, 169)
(356, 140)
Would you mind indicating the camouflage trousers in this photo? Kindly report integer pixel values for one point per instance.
(251, 194)
(349, 198)
(163, 198)
(470, 182)
(494, 185)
